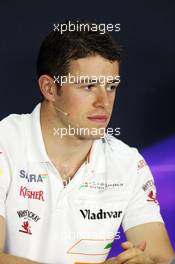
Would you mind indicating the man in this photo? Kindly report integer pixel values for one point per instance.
(65, 185)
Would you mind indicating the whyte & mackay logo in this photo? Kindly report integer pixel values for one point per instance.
(28, 217)
(150, 190)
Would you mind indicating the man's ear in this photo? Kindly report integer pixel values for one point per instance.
(47, 87)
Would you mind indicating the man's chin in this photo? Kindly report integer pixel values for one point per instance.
(89, 133)
(90, 137)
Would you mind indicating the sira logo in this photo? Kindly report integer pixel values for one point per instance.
(32, 177)
(87, 214)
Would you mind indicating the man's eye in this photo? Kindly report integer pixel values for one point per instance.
(89, 86)
(112, 87)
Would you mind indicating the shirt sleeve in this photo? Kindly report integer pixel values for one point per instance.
(4, 181)
(143, 206)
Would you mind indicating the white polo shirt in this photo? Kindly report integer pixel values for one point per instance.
(77, 224)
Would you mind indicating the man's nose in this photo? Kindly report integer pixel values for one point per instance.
(102, 98)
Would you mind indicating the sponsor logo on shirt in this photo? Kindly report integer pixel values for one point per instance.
(141, 164)
(87, 214)
(26, 228)
(148, 185)
(27, 193)
(27, 216)
(152, 197)
(101, 185)
(91, 247)
(109, 245)
(32, 177)
(150, 190)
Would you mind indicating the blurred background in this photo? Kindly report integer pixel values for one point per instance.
(145, 103)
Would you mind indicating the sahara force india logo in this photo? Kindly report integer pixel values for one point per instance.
(28, 216)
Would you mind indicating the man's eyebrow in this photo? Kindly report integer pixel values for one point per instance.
(113, 81)
(86, 80)
(94, 80)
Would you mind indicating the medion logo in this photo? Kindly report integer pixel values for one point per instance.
(87, 214)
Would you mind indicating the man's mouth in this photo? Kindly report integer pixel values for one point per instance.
(98, 118)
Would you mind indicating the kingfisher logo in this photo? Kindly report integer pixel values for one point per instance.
(87, 214)
(26, 193)
(32, 177)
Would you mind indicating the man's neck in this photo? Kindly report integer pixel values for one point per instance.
(68, 152)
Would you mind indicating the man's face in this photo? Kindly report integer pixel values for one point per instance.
(89, 105)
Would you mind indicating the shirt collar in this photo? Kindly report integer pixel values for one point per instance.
(36, 148)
